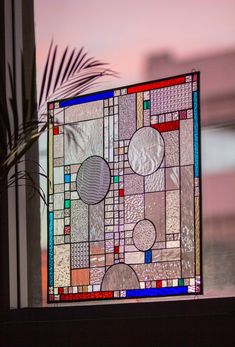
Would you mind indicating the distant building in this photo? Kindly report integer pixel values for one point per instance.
(218, 160)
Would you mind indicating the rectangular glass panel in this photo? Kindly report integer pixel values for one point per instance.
(124, 178)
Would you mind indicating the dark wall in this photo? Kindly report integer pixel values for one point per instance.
(183, 323)
(20, 12)
(4, 279)
(33, 200)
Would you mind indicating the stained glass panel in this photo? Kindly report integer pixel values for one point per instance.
(124, 193)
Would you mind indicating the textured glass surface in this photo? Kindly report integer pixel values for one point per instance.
(124, 211)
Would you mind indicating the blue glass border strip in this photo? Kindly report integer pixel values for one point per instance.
(87, 98)
(51, 249)
(148, 256)
(196, 134)
(156, 291)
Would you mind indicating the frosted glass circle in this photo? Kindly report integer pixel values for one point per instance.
(93, 180)
(144, 235)
(146, 151)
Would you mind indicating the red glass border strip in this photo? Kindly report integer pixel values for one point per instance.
(156, 85)
(86, 296)
(167, 126)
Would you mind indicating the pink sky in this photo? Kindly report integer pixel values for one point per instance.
(123, 32)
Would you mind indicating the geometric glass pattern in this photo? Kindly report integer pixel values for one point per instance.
(124, 193)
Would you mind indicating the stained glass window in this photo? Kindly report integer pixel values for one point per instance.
(124, 193)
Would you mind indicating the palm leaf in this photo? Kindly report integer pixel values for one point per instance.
(74, 74)
(33, 99)
(70, 72)
(82, 57)
(60, 68)
(13, 103)
(75, 62)
(68, 65)
(51, 72)
(25, 102)
(26, 177)
(5, 121)
(45, 75)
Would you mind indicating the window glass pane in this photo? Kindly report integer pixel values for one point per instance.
(125, 34)
(218, 150)
(124, 193)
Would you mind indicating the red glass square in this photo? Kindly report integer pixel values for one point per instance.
(67, 230)
(183, 114)
(56, 130)
(121, 192)
(60, 290)
(159, 284)
(116, 249)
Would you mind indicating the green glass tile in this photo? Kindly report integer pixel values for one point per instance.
(67, 203)
(146, 104)
(115, 179)
(181, 282)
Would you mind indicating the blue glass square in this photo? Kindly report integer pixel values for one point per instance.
(148, 256)
(67, 178)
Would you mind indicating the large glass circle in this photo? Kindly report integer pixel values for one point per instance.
(146, 151)
(93, 180)
(144, 235)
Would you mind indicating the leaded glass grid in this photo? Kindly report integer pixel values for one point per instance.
(124, 192)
